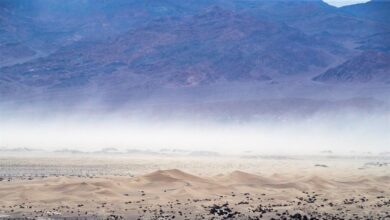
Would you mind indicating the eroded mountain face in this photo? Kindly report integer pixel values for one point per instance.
(183, 51)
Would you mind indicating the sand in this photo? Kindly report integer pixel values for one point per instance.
(261, 189)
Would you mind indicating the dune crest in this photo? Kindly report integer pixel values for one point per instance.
(173, 175)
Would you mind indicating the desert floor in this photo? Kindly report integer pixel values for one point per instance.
(182, 187)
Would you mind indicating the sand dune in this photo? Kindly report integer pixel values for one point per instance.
(173, 175)
(170, 180)
(176, 183)
(240, 177)
(182, 192)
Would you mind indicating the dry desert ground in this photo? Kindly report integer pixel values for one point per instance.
(183, 187)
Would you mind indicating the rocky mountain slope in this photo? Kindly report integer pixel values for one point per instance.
(367, 67)
(162, 50)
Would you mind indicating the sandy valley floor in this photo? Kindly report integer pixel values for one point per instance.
(159, 187)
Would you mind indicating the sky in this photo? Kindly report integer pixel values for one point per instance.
(339, 3)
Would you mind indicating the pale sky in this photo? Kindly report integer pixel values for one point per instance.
(339, 3)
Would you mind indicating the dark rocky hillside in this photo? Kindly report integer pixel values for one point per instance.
(152, 50)
(367, 67)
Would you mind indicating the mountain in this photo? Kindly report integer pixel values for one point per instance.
(43, 26)
(214, 46)
(376, 42)
(314, 17)
(367, 67)
(122, 53)
(376, 10)
(371, 65)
